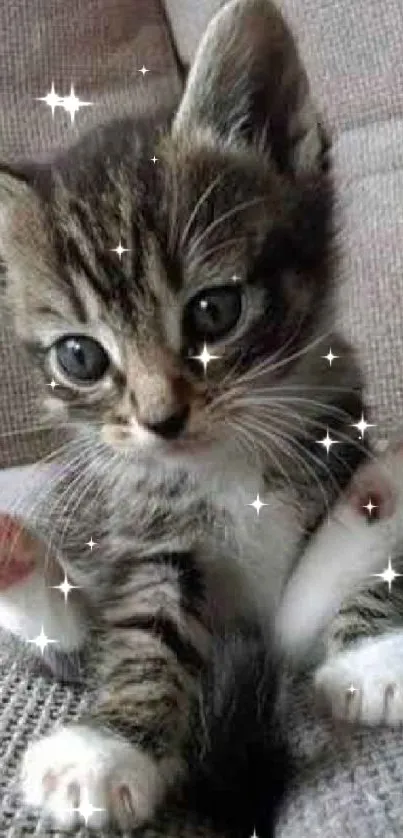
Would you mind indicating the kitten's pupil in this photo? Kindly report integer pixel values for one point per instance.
(212, 313)
(81, 358)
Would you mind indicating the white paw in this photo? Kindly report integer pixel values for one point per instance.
(364, 684)
(78, 774)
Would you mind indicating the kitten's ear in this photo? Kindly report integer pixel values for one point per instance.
(248, 85)
(25, 253)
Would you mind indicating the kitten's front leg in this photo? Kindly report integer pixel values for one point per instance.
(124, 755)
(362, 678)
(341, 557)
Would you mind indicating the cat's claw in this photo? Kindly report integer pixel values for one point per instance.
(364, 684)
(78, 774)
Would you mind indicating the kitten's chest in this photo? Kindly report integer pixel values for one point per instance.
(248, 556)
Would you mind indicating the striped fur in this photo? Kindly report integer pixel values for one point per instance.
(241, 196)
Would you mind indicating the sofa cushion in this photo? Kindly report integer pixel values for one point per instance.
(369, 176)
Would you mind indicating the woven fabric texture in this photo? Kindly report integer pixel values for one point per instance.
(98, 46)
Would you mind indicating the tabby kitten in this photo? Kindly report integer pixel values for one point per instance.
(192, 370)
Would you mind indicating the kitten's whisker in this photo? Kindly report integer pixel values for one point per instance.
(219, 246)
(19, 505)
(199, 203)
(267, 364)
(247, 428)
(76, 490)
(341, 435)
(309, 453)
(20, 509)
(30, 429)
(293, 428)
(195, 245)
(104, 470)
(244, 397)
(331, 409)
(291, 453)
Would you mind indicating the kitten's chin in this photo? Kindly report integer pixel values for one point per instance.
(185, 455)
(190, 452)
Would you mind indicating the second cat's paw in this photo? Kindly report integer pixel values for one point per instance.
(78, 774)
(364, 684)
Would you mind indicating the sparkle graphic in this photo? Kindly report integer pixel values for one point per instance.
(327, 441)
(91, 544)
(351, 690)
(143, 70)
(64, 587)
(388, 575)
(72, 104)
(52, 99)
(235, 278)
(362, 426)
(120, 250)
(42, 641)
(330, 357)
(154, 159)
(86, 810)
(257, 504)
(52, 384)
(369, 506)
(205, 357)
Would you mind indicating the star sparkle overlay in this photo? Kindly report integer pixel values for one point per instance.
(71, 104)
(388, 575)
(91, 544)
(257, 504)
(65, 588)
(330, 357)
(327, 442)
(362, 425)
(370, 507)
(86, 810)
(120, 250)
(42, 641)
(205, 357)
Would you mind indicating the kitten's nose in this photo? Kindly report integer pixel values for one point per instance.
(172, 426)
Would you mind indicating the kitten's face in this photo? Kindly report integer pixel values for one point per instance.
(174, 345)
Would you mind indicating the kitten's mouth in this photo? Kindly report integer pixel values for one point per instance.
(190, 447)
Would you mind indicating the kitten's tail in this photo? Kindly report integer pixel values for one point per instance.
(239, 765)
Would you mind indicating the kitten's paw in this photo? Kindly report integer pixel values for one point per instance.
(364, 683)
(78, 773)
(377, 487)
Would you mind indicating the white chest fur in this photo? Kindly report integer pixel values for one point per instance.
(248, 562)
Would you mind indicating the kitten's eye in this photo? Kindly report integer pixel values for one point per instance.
(82, 359)
(212, 313)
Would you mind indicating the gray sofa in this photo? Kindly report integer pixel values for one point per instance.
(349, 783)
